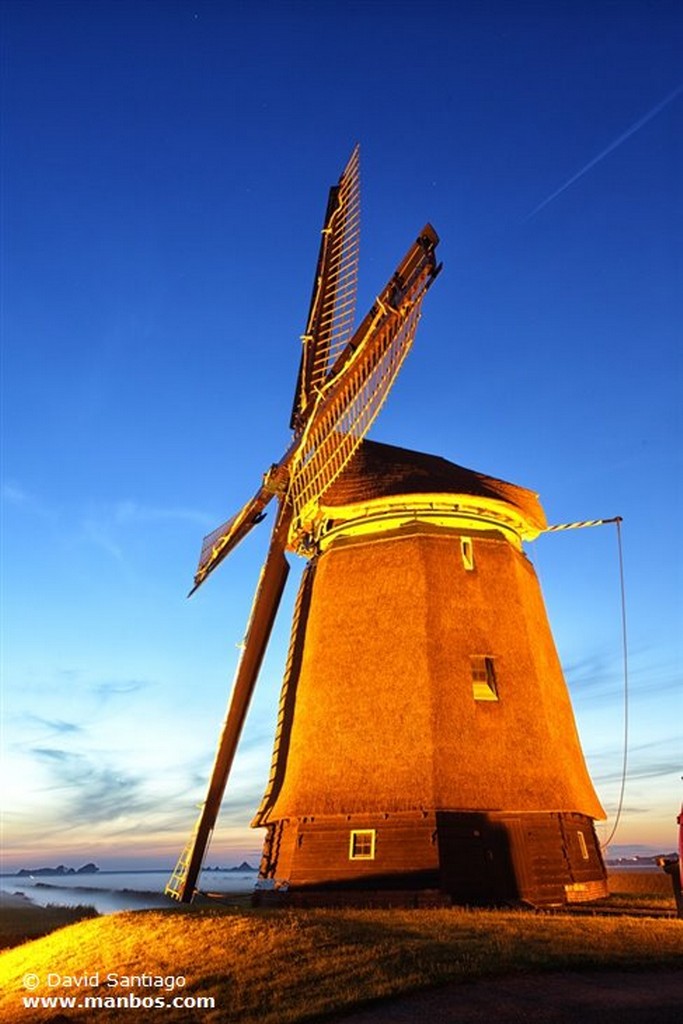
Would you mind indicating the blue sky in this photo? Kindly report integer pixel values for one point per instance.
(165, 173)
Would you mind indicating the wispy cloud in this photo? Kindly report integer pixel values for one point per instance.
(631, 130)
(97, 533)
(14, 494)
(236, 810)
(652, 760)
(53, 725)
(589, 671)
(652, 770)
(109, 525)
(120, 688)
(129, 511)
(598, 677)
(95, 792)
(78, 684)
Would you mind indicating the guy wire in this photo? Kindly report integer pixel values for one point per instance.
(624, 635)
(617, 520)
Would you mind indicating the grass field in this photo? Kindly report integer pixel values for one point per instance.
(21, 921)
(277, 967)
(641, 883)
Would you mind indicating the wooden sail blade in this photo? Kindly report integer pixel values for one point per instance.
(347, 418)
(271, 584)
(362, 378)
(225, 538)
(333, 303)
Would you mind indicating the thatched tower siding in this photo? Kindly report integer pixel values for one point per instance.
(385, 717)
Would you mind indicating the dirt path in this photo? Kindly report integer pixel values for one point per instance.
(605, 997)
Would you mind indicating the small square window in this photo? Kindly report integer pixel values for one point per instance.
(362, 844)
(484, 686)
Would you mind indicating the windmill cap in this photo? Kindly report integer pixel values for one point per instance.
(383, 471)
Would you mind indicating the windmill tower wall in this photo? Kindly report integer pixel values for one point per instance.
(426, 738)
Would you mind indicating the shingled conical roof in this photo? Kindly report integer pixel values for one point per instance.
(383, 471)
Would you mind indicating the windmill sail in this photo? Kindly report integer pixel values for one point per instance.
(362, 377)
(333, 303)
(346, 404)
(225, 538)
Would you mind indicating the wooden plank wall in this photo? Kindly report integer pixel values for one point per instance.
(473, 858)
(405, 852)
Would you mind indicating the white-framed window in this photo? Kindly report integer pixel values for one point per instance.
(484, 684)
(467, 552)
(362, 844)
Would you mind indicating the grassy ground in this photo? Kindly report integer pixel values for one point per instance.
(21, 920)
(641, 883)
(277, 967)
(638, 902)
(640, 890)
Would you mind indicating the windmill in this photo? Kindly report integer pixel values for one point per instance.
(343, 380)
(425, 745)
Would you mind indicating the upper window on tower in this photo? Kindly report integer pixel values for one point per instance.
(484, 686)
(467, 552)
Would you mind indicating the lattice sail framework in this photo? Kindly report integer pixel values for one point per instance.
(221, 541)
(351, 401)
(343, 411)
(333, 305)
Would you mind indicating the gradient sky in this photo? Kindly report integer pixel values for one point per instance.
(166, 167)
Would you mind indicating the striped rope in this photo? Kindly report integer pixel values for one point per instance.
(580, 525)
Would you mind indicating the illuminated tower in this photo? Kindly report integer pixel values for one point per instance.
(426, 739)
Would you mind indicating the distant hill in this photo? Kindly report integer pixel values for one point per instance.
(244, 866)
(87, 869)
(645, 861)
